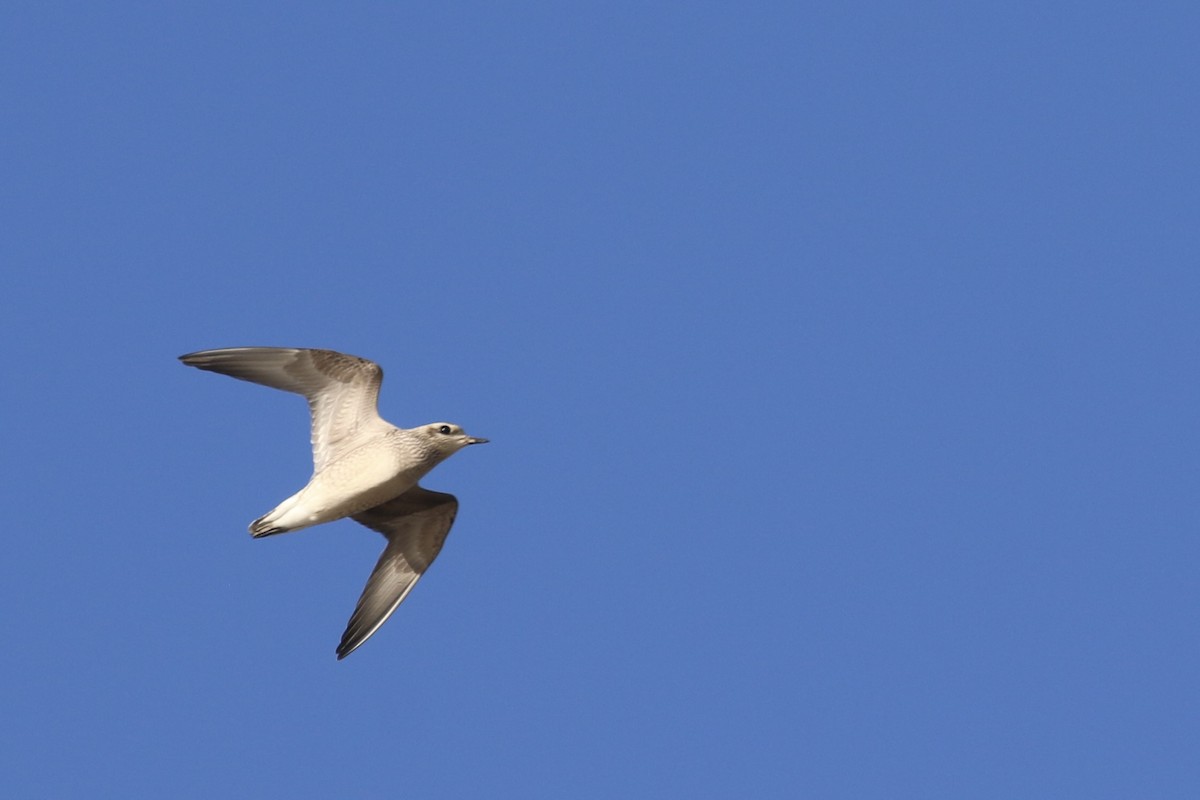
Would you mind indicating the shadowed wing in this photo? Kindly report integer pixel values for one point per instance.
(416, 524)
(342, 390)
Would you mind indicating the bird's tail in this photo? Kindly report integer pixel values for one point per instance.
(264, 527)
(274, 521)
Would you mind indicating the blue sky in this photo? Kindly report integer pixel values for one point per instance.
(839, 365)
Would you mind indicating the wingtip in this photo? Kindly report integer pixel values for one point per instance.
(196, 359)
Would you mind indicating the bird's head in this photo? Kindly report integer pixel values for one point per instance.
(446, 438)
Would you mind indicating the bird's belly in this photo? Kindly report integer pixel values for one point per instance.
(362, 480)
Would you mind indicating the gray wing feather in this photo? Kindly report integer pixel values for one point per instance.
(342, 390)
(416, 524)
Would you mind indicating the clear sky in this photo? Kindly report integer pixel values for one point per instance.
(839, 362)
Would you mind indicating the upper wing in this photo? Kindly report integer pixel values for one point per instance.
(342, 390)
(416, 524)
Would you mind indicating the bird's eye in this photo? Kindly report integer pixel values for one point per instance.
(444, 429)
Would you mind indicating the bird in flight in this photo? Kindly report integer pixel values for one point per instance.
(363, 467)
